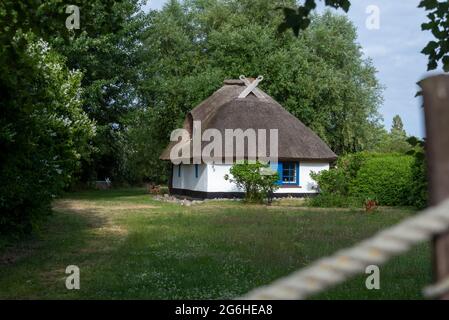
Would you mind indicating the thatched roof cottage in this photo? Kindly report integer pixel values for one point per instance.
(239, 104)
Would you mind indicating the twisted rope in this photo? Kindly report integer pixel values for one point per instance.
(344, 264)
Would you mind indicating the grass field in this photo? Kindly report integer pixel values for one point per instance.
(129, 246)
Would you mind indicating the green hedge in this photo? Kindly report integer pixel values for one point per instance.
(386, 179)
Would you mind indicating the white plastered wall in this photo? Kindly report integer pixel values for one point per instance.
(215, 181)
(187, 180)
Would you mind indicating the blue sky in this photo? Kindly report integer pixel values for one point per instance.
(395, 51)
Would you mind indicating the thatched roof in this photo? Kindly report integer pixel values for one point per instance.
(224, 110)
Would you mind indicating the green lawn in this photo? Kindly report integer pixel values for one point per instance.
(128, 245)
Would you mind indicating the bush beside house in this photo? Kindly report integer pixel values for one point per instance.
(388, 179)
(255, 179)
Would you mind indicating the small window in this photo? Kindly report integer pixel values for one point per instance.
(196, 170)
(179, 170)
(289, 174)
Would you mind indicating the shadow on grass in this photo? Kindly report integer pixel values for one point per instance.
(226, 252)
(111, 194)
(35, 268)
(207, 251)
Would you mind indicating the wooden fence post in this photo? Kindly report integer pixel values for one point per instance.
(436, 109)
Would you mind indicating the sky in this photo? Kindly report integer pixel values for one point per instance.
(395, 49)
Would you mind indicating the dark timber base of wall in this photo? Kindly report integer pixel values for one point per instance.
(230, 195)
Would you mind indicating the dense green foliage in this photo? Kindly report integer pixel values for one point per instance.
(106, 49)
(43, 131)
(394, 141)
(338, 179)
(385, 179)
(438, 49)
(142, 150)
(334, 184)
(419, 191)
(48, 112)
(256, 179)
(321, 78)
(388, 179)
(299, 19)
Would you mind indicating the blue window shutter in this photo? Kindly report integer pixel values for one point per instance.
(280, 173)
(196, 171)
(179, 170)
(297, 173)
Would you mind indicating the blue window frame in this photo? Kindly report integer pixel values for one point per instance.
(288, 173)
(196, 170)
(179, 170)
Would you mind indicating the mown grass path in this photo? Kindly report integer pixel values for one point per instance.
(129, 246)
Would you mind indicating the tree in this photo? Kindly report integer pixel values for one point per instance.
(437, 50)
(419, 188)
(106, 49)
(397, 128)
(44, 132)
(322, 78)
(394, 141)
(398, 137)
(299, 19)
(142, 162)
